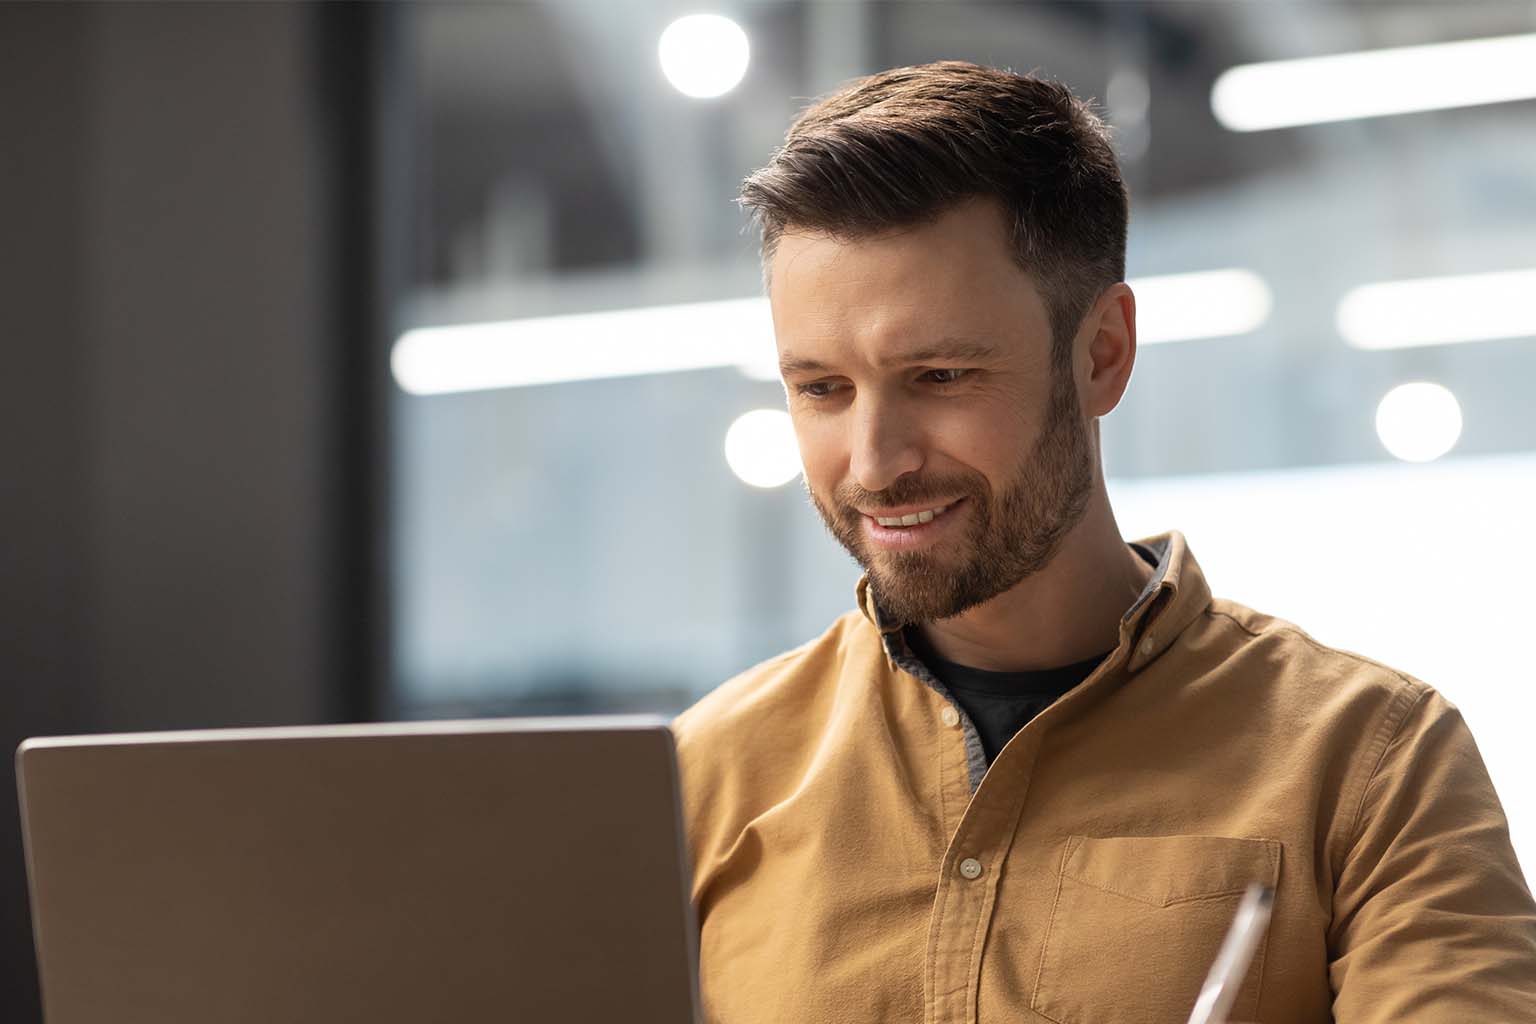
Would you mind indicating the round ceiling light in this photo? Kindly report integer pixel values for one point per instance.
(703, 55)
(760, 448)
(1418, 422)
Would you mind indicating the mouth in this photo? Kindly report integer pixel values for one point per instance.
(909, 529)
(897, 522)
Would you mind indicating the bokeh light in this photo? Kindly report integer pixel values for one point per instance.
(760, 448)
(704, 55)
(1419, 422)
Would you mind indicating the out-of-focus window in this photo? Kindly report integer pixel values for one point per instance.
(1336, 266)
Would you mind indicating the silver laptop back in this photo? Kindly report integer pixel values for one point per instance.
(512, 870)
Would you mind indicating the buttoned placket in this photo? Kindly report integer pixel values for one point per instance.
(971, 867)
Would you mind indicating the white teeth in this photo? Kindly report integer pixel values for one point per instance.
(926, 516)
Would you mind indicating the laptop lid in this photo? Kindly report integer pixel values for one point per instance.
(498, 870)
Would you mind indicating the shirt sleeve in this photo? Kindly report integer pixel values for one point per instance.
(1432, 918)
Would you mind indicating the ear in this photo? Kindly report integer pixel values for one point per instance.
(1106, 350)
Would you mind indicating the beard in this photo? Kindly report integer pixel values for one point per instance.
(1013, 533)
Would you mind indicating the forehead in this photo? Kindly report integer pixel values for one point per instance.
(954, 276)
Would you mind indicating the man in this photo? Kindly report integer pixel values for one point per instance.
(1030, 777)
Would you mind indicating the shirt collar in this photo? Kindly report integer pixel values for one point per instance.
(1172, 598)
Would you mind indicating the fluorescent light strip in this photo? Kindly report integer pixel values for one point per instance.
(1374, 83)
(1206, 304)
(738, 332)
(583, 346)
(1439, 310)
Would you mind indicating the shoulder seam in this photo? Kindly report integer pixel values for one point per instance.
(1408, 694)
(1214, 614)
(1387, 735)
(1315, 644)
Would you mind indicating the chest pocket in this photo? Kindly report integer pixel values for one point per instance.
(1137, 923)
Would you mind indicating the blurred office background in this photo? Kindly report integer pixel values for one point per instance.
(380, 361)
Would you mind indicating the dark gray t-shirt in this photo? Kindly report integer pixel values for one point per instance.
(1000, 703)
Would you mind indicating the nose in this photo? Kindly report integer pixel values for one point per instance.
(885, 445)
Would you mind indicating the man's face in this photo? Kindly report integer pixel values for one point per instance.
(918, 371)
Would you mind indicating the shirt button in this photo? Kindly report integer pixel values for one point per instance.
(970, 869)
(1148, 645)
(949, 716)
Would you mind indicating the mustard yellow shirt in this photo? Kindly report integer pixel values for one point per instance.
(856, 860)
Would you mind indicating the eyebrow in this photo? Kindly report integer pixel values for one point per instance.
(947, 349)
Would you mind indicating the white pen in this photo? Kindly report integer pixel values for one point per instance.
(1232, 960)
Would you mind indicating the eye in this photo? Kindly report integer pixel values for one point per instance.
(945, 376)
(817, 388)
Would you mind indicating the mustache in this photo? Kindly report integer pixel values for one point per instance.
(906, 491)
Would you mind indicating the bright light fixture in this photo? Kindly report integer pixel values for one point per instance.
(760, 448)
(1418, 422)
(584, 346)
(1440, 310)
(1205, 304)
(1373, 83)
(739, 332)
(703, 55)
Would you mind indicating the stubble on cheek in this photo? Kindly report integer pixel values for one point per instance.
(896, 570)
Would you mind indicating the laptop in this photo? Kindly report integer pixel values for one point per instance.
(498, 870)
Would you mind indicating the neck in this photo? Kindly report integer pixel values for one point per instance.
(1065, 613)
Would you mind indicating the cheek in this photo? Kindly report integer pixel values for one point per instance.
(987, 438)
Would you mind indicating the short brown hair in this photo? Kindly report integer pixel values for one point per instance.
(904, 146)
